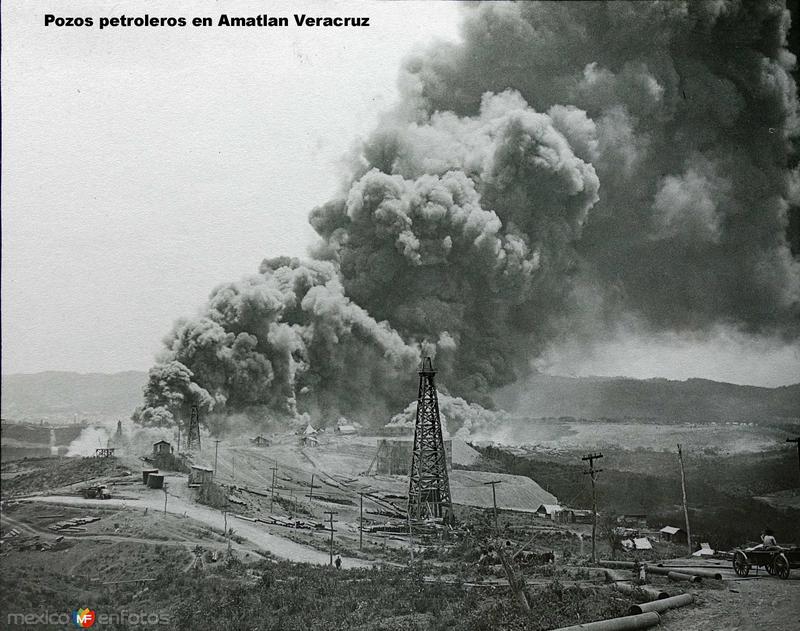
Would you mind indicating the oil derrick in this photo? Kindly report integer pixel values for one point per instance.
(429, 486)
(193, 437)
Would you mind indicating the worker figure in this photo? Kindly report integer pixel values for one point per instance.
(338, 562)
(768, 541)
(640, 572)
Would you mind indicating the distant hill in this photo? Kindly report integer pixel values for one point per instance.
(66, 393)
(53, 393)
(698, 400)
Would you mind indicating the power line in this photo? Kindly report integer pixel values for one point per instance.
(592, 472)
(494, 483)
(330, 514)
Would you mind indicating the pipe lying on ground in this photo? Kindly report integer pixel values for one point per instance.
(665, 570)
(613, 576)
(680, 576)
(630, 623)
(643, 591)
(691, 571)
(662, 605)
(625, 565)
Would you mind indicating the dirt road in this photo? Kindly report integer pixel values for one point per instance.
(255, 534)
(749, 605)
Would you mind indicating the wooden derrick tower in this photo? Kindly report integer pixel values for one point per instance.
(429, 485)
(193, 437)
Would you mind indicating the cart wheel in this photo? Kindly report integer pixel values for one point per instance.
(780, 565)
(740, 564)
(770, 566)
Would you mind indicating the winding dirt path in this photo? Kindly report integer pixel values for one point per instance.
(276, 545)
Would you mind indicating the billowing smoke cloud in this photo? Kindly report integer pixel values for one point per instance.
(460, 418)
(565, 167)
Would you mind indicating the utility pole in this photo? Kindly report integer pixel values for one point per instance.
(291, 503)
(216, 450)
(592, 472)
(272, 494)
(795, 440)
(330, 514)
(165, 498)
(685, 506)
(225, 516)
(494, 502)
(233, 475)
(311, 492)
(410, 539)
(361, 521)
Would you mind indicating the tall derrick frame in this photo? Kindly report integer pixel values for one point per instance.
(429, 485)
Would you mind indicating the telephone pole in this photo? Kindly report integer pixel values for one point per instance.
(494, 502)
(592, 472)
(216, 450)
(312, 487)
(685, 506)
(225, 517)
(330, 514)
(795, 440)
(361, 521)
(272, 494)
(165, 498)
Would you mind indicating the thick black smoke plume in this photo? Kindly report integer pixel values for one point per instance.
(566, 166)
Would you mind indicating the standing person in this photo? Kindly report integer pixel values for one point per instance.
(338, 562)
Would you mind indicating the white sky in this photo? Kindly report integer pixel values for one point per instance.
(143, 166)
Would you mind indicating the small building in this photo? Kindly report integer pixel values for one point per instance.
(582, 516)
(309, 440)
(633, 520)
(200, 475)
(155, 481)
(673, 534)
(146, 473)
(548, 511)
(162, 447)
(704, 551)
(260, 441)
(642, 543)
(393, 456)
(346, 430)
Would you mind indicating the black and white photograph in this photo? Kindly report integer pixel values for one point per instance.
(400, 315)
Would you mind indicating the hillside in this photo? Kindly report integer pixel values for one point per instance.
(698, 400)
(67, 393)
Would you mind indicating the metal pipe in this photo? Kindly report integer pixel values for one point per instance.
(629, 623)
(617, 564)
(643, 591)
(692, 571)
(662, 605)
(680, 576)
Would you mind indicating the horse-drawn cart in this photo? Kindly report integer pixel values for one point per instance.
(776, 561)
